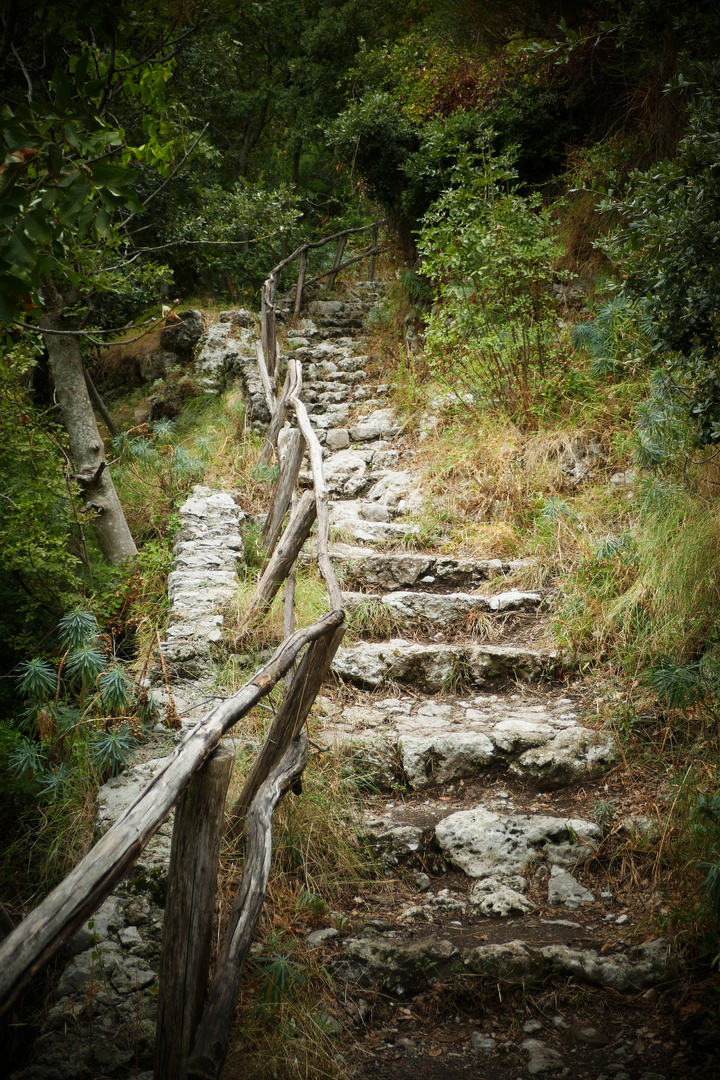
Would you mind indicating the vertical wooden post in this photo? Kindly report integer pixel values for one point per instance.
(269, 332)
(302, 271)
(187, 926)
(373, 257)
(289, 470)
(338, 259)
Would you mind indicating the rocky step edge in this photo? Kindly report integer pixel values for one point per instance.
(407, 608)
(438, 668)
(363, 568)
(418, 742)
(512, 890)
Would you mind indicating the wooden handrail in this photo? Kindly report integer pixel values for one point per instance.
(269, 289)
(38, 937)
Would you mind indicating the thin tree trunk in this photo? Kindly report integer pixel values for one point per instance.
(86, 446)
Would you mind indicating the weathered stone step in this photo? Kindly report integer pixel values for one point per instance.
(436, 610)
(404, 968)
(437, 668)
(423, 742)
(367, 569)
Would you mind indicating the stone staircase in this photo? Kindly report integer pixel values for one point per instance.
(480, 768)
(498, 942)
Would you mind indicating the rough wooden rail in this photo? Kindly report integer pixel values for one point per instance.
(38, 937)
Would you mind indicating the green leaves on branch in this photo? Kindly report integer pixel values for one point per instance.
(489, 252)
(66, 740)
(668, 248)
(60, 188)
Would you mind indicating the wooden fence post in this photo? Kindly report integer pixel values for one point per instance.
(267, 323)
(338, 259)
(373, 245)
(213, 1032)
(295, 535)
(289, 470)
(187, 926)
(302, 271)
(288, 720)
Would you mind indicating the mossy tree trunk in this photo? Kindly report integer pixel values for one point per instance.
(86, 446)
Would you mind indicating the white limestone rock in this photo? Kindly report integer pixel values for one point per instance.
(440, 609)
(500, 897)
(431, 667)
(338, 439)
(518, 963)
(514, 600)
(541, 1057)
(574, 754)
(485, 844)
(440, 759)
(563, 888)
(222, 347)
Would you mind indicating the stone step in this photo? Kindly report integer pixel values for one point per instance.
(436, 668)
(368, 569)
(379, 958)
(436, 610)
(423, 742)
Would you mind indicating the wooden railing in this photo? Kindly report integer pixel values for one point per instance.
(269, 290)
(194, 1023)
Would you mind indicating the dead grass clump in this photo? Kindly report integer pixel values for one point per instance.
(311, 603)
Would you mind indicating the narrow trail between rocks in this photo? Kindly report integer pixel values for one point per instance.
(503, 941)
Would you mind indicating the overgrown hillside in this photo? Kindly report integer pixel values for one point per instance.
(547, 174)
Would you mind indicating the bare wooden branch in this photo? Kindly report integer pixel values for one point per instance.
(348, 262)
(187, 924)
(289, 600)
(38, 937)
(321, 492)
(295, 535)
(302, 271)
(338, 259)
(265, 378)
(275, 427)
(99, 405)
(213, 1032)
(289, 472)
(288, 720)
(318, 244)
(374, 229)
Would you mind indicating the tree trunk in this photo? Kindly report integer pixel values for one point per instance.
(86, 446)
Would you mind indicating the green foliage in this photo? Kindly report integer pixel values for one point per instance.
(155, 473)
(41, 534)
(251, 217)
(679, 686)
(489, 251)
(707, 825)
(668, 248)
(616, 340)
(282, 977)
(83, 714)
(110, 750)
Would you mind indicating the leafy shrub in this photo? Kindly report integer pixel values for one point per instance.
(489, 252)
(668, 249)
(83, 713)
